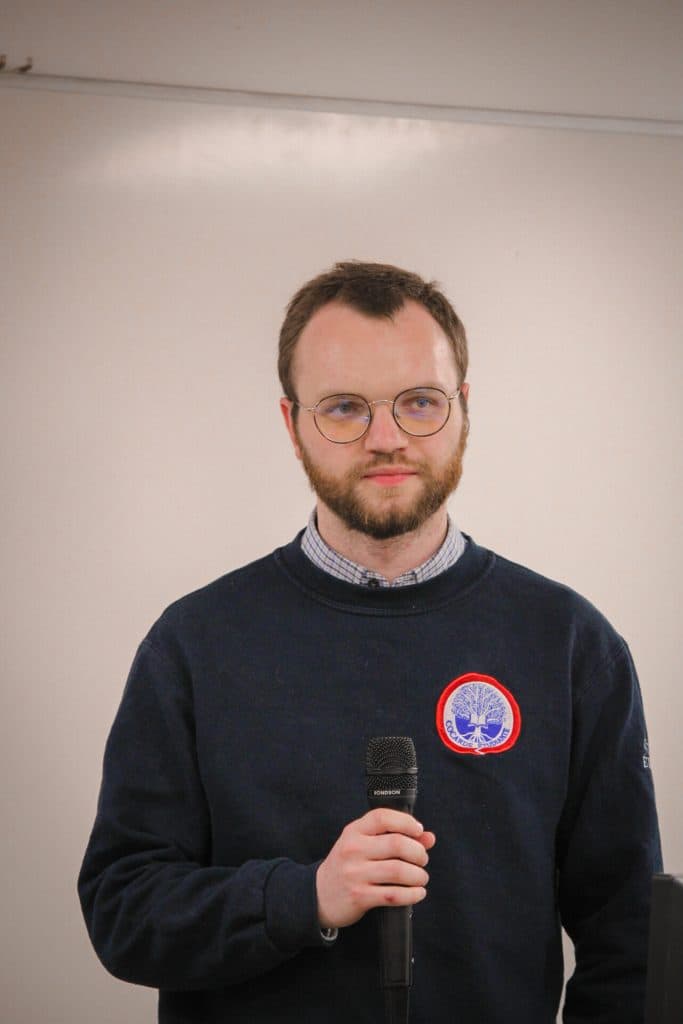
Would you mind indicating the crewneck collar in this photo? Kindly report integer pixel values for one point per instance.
(452, 585)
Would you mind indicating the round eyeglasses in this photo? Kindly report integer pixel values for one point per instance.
(420, 412)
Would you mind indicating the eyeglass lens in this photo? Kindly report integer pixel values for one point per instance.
(420, 411)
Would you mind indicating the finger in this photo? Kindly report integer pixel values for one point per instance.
(396, 872)
(396, 895)
(395, 846)
(428, 839)
(385, 819)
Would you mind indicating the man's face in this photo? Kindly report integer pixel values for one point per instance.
(388, 482)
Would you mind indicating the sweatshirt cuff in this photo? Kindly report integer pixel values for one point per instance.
(291, 905)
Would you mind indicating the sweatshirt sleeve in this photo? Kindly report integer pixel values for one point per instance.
(608, 848)
(158, 912)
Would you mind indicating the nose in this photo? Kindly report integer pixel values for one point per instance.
(384, 434)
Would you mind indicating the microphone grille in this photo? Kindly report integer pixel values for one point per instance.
(389, 755)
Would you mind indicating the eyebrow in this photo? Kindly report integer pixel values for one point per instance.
(410, 387)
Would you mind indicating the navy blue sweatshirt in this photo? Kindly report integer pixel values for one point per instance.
(236, 758)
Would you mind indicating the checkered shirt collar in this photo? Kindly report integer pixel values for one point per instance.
(329, 560)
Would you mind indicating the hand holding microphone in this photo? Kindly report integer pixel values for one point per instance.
(379, 860)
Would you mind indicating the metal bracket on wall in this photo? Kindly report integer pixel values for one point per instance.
(20, 70)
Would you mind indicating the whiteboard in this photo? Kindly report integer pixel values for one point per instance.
(149, 248)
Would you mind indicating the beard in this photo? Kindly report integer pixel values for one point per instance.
(341, 495)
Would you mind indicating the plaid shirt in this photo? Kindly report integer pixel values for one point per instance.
(329, 560)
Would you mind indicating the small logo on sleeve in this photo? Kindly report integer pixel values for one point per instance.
(476, 714)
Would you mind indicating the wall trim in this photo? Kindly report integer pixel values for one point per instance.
(337, 105)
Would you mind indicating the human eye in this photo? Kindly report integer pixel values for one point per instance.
(421, 403)
(343, 407)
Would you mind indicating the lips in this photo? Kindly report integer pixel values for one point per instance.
(391, 471)
(389, 475)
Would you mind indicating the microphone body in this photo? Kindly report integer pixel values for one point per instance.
(391, 768)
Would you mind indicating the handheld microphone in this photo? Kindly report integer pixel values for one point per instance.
(391, 769)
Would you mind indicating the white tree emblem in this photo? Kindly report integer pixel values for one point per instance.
(480, 716)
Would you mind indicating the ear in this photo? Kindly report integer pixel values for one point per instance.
(287, 410)
(465, 390)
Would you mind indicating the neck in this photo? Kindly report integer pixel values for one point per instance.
(390, 557)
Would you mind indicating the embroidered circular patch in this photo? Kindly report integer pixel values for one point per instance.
(477, 715)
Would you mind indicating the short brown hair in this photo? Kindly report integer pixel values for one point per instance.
(376, 289)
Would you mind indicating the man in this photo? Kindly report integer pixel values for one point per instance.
(233, 864)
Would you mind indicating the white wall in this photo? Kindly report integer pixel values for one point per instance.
(148, 251)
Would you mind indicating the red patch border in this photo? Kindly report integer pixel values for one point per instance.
(471, 677)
